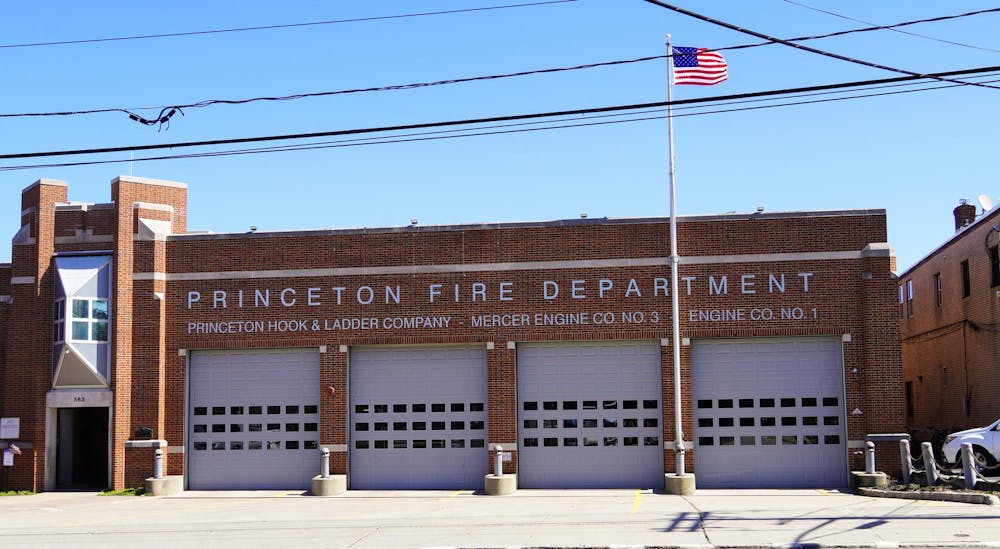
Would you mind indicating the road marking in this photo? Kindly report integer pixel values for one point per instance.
(457, 493)
(638, 500)
(822, 491)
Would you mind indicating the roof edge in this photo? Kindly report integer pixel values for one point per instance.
(582, 222)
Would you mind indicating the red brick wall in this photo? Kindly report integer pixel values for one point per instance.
(29, 342)
(951, 352)
(141, 465)
(846, 299)
(138, 362)
(149, 375)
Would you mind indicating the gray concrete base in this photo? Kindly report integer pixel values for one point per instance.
(334, 485)
(872, 480)
(170, 484)
(500, 485)
(959, 497)
(680, 485)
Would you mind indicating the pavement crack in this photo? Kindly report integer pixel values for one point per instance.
(362, 538)
(701, 518)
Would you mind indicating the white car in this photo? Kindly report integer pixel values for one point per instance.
(985, 444)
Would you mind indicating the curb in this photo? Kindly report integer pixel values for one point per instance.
(958, 497)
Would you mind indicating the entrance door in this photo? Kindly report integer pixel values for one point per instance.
(82, 449)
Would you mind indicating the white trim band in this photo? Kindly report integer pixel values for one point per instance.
(146, 444)
(152, 206)
(499, 267)
(147, 181)
(22, 280)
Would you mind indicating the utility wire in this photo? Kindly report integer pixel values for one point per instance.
(809, 49)
(286, 26)
(465, 132)
(893, 27)
(454, 134)
(167, 111)
(866, 29)
(452, 123)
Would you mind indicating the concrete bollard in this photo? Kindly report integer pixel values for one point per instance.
(324, 464)
(904, 460)
(158, 463)
(499, 484)
(930, 467)
(870, 458)
(969, 465)
(498, 461)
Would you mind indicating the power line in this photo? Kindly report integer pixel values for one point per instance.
(208, 102)
(466, 122)
(894, 28)
(459, 133)
(285, 26)
(454, 134)
(809, 49)
(167, 111)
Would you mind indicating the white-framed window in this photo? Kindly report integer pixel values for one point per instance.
(89, 320)
(58, 320)
(909, 298)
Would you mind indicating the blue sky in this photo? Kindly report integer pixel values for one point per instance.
(913, 154)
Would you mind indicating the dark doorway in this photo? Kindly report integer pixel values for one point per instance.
(82, 449)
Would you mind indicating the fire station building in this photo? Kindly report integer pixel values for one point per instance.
(410, 352)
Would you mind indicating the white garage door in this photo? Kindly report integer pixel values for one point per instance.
(253, 419)
(418, 418)
(589, 415)
(769, 413)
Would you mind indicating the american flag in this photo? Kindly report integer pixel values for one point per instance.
(699, 66)
(14, 449)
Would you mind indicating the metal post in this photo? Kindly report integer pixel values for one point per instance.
(158, 463)
(498, 461)
(324, 467)
(968, 465)
(674, 260)
(904, 460)
(870, 458)
(929, 466)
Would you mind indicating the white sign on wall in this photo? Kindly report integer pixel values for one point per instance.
(10, 428)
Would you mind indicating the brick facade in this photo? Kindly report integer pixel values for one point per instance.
(174, 292)
(950, 346)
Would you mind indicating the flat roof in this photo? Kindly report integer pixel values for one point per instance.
(578, 222)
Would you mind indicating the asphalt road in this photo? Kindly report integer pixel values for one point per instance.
(534, 518)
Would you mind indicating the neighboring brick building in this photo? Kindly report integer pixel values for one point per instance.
(949, 303)
(411, 351)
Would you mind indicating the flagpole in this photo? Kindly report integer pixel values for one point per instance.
(674, 260)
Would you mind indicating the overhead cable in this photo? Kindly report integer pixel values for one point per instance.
(809, 49)
(166, 111)
(452, 123)
(285, 26)
(455, 134)
(895, 29)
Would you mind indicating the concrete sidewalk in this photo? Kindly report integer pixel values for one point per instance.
(529, 518)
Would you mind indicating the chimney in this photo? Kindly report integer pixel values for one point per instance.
(965, 214)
